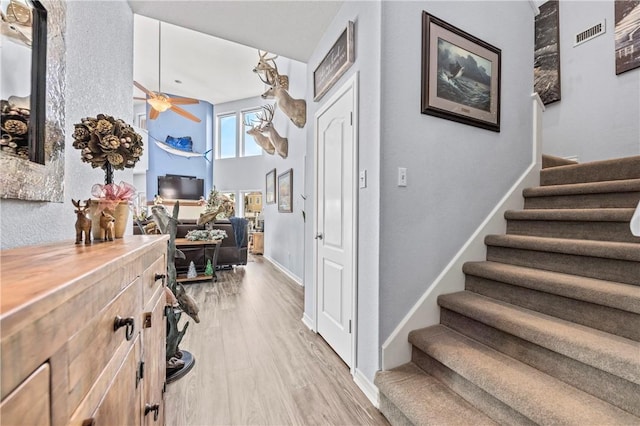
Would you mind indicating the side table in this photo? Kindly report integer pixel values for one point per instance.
(208, 244)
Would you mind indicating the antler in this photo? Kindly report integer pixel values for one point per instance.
(268, 113)
(271, 79)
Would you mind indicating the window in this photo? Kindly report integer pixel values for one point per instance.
(230, 143)
(250, 147)
(227, 136)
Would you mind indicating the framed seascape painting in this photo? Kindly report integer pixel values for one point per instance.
(627, 38)
(460, 75)
(270, 189)
(285, 192)
(546, 57)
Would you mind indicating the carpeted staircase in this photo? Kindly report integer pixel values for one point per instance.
(547, 330)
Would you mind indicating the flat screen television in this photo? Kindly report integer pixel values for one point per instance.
(177, 187)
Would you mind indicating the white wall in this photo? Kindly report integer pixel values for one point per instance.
(456, 172)
(99, 76)
(598, 116)
(283, 232)
(366, 16)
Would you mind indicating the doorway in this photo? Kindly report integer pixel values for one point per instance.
(336, 153)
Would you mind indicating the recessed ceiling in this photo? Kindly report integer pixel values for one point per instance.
(211, 46)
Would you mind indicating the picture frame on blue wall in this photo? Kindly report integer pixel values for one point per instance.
(460, 75)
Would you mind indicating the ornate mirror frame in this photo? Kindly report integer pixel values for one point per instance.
(29, 179)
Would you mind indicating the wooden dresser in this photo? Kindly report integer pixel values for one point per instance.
(82, 333)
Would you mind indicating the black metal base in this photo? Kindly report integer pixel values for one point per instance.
(189, 362)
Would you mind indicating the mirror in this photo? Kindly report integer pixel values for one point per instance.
(32, 88)
(23, 49)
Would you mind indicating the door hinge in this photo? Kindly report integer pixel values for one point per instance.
(351, 117)
(140, 373)
(349, 326)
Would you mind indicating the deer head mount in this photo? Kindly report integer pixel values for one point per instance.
(269, 68)
(295, 109)
(280, 144)
(263, 141)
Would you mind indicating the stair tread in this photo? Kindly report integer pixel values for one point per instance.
(613, 354)
(603, 187)
(578, 215)
(607, 293)
(425, 400)
(595, 171)
(594, 248)
(536, 395)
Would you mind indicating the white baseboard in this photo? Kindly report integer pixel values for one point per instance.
(306, 320)
(367, 387)
(285, 271)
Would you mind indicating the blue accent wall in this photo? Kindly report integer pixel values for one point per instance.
(171, 124)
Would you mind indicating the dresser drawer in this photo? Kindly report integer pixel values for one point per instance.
(29, 404)
(150, 284)
(91, 349)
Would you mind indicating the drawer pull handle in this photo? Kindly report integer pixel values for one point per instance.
(152, 407)
(159, 277)
(124, 322)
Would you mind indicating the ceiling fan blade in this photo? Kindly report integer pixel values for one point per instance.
(183, 101)
(139, 99)
(184, 113)
(153, 114)
(144, 89)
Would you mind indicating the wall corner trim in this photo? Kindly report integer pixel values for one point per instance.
(534, 7)
(306, 320)
(367, 387)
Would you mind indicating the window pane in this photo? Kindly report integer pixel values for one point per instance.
(228, 129)
(250, 145)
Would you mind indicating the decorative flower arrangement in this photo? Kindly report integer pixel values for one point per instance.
(202, 234)
(110, 195)
(107, 142)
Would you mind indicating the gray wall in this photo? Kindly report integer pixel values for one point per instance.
(598, 116)
(366, 16)
(456, 173)
(284, 232)
(99, 79)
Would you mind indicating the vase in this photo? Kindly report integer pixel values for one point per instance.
(121, 215)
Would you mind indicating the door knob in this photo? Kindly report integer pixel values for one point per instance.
(319, 236)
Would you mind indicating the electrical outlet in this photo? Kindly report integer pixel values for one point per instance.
(402, 176)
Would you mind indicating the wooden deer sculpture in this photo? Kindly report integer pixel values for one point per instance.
(107, 226)
(295, 109)
(266, 127)
(263, 141)
(83, 223)
(269, 68)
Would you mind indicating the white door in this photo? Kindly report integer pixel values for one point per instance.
(335, 221)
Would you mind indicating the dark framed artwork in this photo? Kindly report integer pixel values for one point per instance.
(627, 35)
(337, 60)
(460, 75)
(270, 187)
(546, 63)
(285, 192)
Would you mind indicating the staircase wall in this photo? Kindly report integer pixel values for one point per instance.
(457, 173)
(597, 117)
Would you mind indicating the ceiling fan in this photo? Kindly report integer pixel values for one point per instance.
(158, 101)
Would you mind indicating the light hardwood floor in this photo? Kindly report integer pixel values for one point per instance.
(257, 363)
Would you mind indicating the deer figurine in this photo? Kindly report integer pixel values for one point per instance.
(107, 226)
(295, 109)
(262, 140)
(83, 223)
(266, 128)
(269, 67)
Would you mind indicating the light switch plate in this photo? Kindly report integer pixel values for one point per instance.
(402, 176)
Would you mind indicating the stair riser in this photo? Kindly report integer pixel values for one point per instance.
(627, 168)
(599, 231)
(606, 386)
(584, 201)
(480, 399)
(604, 318)
(392, 413)
(585, 266)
